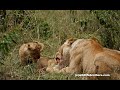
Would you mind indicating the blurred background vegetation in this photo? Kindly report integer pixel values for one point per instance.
(53, 27)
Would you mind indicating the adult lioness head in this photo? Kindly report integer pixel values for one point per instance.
(63, 55)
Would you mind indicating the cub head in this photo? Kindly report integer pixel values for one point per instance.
(35, 48)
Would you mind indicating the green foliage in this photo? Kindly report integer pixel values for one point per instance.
(7, 42)
(2, 20)
(110, 20)
(44, 30)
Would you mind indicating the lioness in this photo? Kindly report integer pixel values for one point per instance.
(89, 57)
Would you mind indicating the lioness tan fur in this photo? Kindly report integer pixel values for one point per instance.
(89, 57)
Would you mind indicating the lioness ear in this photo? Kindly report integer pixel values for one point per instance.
(71, 41)
(95, 39)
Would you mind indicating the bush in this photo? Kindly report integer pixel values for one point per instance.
(109, 19)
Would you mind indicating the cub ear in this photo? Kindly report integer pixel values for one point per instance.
(36, 42)
(41, 46)
(29, 47)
